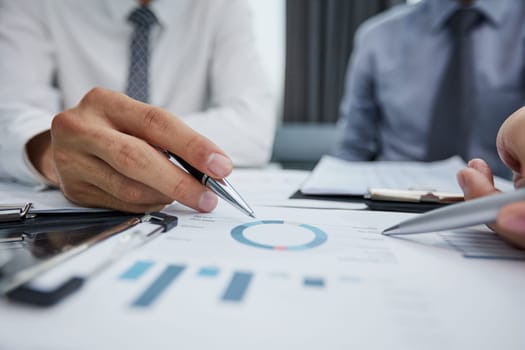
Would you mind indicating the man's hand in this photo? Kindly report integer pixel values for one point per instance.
(477, 180)
(102, 156)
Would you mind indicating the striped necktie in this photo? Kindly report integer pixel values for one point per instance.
(142, 19)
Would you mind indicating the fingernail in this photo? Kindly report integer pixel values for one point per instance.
(479, 165)
(208, 201)
(515, 224)
(219, 165)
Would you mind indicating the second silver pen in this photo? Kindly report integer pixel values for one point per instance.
(474, 212)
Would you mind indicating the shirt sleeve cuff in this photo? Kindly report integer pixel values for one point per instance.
(14, 160)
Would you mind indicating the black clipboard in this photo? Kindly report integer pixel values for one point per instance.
(33, 242)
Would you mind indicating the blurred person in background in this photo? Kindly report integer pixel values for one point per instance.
(432, 80)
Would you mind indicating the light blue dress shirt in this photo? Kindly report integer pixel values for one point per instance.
(396, 67)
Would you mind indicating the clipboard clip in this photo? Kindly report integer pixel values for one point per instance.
(14, 212)
(412, 200)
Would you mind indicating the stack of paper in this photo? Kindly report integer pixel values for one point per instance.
(333, 176)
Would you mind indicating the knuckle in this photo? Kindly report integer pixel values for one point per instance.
(76, 193)
(130, 194)
(127, 158)
(197, 148)
(93, 96)
(64, 122)
(99, 136)
(154, 119)
(179, 189)
(61, 158)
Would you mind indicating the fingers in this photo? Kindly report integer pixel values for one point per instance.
(140, 162)
(91, 196)
(160, 128)
(518, 180)
(92, 150)
(482, 166)
(99, 174)
(512, 218)
(79, 177)
(476, 181)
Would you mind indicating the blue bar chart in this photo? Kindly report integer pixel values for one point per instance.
(136, 270)
(237, 287)
(482, 245)
(208, 271)
(233, 286)
(163, 281)
(315, 282)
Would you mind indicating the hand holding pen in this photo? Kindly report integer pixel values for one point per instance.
(100, 154)
(477, 180)
(504, 213)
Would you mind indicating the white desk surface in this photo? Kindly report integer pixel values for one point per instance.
(329, 281)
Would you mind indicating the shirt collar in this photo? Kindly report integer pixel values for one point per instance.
(119, 10)
(494, 10)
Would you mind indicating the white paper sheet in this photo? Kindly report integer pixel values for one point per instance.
(357, 289)
(273, 187)
(333, 176)
(14, 193)
(268, 187)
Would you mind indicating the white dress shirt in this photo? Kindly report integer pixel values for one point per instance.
(204, 69)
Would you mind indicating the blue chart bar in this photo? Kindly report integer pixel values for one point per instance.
(208, 271)
(137, 270)
(237, 287)
(313, 282)
(168, 276)
(482, 245)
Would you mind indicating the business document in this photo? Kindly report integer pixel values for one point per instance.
(334, 176)
(293, 278)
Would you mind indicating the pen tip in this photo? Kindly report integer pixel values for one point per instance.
(252, 215)
(389, 230)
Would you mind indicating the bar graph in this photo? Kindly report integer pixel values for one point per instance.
(161, 283)
(229, 285)
(208, 271)
(237, 287)
(315, 282)
(482, 245)
(136, 270)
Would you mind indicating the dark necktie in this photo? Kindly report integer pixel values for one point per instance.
(454, 108)
(138, 85)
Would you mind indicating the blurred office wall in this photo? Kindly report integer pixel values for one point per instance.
(269, 30)
(304, 46)
(319, 36)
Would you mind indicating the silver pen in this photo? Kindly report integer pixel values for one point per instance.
(221, 187)
(474, 212)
